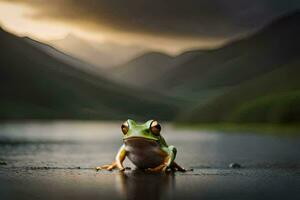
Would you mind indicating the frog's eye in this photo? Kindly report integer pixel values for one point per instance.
(125, 127)
(155, 127)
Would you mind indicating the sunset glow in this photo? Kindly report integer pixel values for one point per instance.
(17, 18)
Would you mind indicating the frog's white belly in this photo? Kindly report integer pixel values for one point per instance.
(144, 153)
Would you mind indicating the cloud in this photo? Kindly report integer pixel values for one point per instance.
(163, 18)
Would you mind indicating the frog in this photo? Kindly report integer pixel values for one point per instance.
(145, 147)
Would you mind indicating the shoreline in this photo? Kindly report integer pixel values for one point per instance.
(237, 128)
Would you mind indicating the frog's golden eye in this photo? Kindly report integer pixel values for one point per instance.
(125, 127)
(155, 127)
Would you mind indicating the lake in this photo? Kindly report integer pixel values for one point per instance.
(56, 160)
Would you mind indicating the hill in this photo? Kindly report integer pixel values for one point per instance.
(264, 86)
(35, 85)
(273, 97)
(64, 57)
(148, 70)
(101, 54)
(254, 79)
(142, 70)
(197, 73)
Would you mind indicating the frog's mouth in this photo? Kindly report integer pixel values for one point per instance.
(140, 142)
(137, 138)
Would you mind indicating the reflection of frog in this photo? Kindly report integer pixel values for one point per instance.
(137, 184)
(145, 148)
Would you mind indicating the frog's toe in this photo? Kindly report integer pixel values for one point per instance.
(176, 167)
(122, 169)
(181, 169)
(111, 167)
(102, 167)
(160, 168)
(99, 168)
(107, 167)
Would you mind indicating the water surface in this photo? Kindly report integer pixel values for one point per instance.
(56, 160)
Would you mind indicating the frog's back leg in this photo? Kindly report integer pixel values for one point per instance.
(172, 154)
(176, 167)
(169, 161)
(173, 165)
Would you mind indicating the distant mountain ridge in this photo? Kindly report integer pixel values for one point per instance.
(64, 57)
(100, 54)
(215, 81)
(133, 72)
(255, 79)
(196, 69)
(37, 85)
(265, 80)
(273, 97)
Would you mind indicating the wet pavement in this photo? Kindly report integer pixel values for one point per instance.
(56, 160)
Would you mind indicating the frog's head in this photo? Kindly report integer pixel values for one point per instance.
(149, 130)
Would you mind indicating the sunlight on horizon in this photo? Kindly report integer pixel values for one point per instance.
(13, 18)
(17, 18)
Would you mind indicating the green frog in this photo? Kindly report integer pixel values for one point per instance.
(145, 147)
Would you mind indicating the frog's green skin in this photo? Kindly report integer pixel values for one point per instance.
(145, 150)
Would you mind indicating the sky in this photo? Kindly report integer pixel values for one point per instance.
(167, 25)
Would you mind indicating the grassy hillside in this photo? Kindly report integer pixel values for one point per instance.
(242, 60)
(142, 70)
(201, 75)
(36, 85)
(255, 79)
(276, 108)
(272, 97)
(259, 76)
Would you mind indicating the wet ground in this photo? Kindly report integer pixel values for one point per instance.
(56, 160)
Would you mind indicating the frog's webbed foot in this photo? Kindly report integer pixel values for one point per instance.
(176, 167)
(110, 167)
(164, 167)
(159, 168)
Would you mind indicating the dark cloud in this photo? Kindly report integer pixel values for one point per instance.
(172, 18)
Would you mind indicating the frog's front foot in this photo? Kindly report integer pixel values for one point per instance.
(163, 168)
(176, 167)
(110, 167)
(159, 168)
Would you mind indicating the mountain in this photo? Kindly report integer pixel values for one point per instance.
(198, 72)
(141, 70)
(66, 58)
(36, 85)
(241, 60)
(146, 71)
(272, 97)
(100, 54)
(254, 79)
(264, 79)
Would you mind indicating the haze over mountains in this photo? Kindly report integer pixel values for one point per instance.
(103, 55)
(264, 80)
(209, 68)
(255, 79)
(39, 82)
(222, 82)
